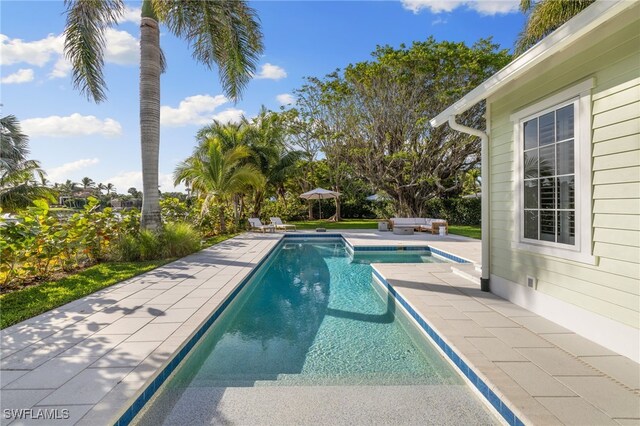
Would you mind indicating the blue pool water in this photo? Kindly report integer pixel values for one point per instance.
(311, 316)
(400, 256)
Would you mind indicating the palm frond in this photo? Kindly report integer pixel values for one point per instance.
(222, 33)
(20, 186)
(84, 42)
(14, 145)
(545, 16)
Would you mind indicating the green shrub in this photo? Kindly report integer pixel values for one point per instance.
(150, 245)
(458, 211)
(293, 208)
(126, 249)
(40, 243)
(179, 239)
(175, 240)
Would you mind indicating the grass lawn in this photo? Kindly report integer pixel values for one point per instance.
(28, 302)
(467, 231)
(343, 224)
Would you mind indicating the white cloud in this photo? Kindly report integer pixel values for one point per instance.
(24, 75)
(198, 109)
(494, 7)
(37, 52)
(229, 115)
(73, 125)
(61, 68)
(483, 7)
(121, 48)
(131, 14)
(438, 21)
(61, 173)
(286, 99)
(125, 180)
(271, 72)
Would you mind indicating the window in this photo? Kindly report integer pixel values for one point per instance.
(549, 176)
(553, 178)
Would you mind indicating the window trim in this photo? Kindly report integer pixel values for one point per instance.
(580, 96)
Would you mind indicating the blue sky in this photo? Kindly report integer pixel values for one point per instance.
(73, 137)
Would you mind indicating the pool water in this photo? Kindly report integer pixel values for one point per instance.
(399, 256)
(311, 316)
(308, 317)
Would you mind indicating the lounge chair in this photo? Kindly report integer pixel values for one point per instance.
(277, 222)
(257, 225)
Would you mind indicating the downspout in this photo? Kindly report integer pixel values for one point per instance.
(486, 225)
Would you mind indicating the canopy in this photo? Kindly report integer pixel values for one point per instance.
(319, 194)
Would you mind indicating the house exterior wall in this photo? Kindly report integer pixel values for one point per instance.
(610, 287)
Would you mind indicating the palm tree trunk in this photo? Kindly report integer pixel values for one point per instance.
(150, 120)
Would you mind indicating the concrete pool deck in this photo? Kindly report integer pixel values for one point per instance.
(94, 356)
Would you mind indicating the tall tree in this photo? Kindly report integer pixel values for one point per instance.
(216, 174)
(374, 118)
(110, 188)
(264, 136)
(222, 33)
(300, 136)
(87, 183)
(545, 16)
(270, 154)
(322, 102)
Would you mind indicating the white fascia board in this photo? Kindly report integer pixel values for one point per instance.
(573, 30)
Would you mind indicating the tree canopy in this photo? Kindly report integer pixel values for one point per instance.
(371, 119)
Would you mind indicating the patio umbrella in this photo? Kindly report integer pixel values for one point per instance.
(319, 194)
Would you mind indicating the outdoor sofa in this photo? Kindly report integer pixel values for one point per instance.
(421, 224)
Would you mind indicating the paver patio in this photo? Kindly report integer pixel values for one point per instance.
(547, 374)
(93, 356)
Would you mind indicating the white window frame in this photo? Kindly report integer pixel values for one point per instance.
(580, 96)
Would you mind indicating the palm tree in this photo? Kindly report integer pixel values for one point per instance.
(109, 187)
(544, 16)
(21, 181)
(87, 183)
(222, 33)
(264, 137)
(20, 187)
(270, 154)
(68, 188)
(216, 174)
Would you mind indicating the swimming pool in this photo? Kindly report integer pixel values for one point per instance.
(308, 317)
(398, 256)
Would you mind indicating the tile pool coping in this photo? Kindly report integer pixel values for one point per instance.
(131, 411)
(464, 369)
